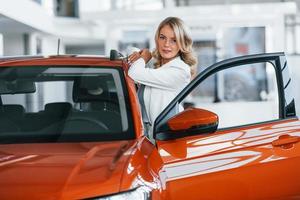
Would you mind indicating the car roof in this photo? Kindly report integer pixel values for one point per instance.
(60, 60)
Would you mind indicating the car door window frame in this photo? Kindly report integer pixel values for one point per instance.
(285, 99)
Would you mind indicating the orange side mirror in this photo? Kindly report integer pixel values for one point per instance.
(192, 117)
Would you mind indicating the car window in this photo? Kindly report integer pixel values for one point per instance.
(52, 104)
(240, 95)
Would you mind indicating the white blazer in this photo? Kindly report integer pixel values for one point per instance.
(161, 84)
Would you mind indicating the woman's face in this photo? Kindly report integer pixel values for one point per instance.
(167, 44)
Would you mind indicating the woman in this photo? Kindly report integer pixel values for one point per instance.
(166, 71)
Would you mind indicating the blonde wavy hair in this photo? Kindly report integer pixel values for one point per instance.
(183, 40)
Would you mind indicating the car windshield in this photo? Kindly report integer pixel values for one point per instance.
(63, 104)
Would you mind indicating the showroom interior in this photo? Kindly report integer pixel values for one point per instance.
(220, 29)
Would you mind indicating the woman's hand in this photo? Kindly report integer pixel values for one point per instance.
(144, 53)
(133, 57)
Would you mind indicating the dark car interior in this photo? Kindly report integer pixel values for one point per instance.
(94, 108)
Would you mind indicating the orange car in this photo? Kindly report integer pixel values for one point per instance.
(71, 128)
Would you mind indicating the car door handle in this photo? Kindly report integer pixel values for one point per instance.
(285, 140)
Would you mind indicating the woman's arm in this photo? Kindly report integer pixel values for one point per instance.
(144, 53)
(168, 78)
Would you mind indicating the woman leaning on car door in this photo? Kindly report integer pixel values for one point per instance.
(164, 72)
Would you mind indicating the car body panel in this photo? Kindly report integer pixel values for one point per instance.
(257, 161)
(64, 170)
(135, 108)
(143, 166)
(240, 160)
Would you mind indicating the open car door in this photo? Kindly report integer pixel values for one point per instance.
(239, 140)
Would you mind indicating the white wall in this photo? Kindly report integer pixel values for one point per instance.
(13, 44)
(206, 22)
(49, 6)
(50, 45)
(86, 6)
(96, 24)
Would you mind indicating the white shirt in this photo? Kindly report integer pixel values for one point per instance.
(162, 84)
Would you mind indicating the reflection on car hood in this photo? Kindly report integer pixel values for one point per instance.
(65, 170)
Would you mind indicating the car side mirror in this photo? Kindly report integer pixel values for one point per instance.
(192, 121)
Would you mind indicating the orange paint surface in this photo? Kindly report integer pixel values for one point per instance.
(251, 162)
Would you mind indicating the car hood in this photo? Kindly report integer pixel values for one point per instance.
(62, 171)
